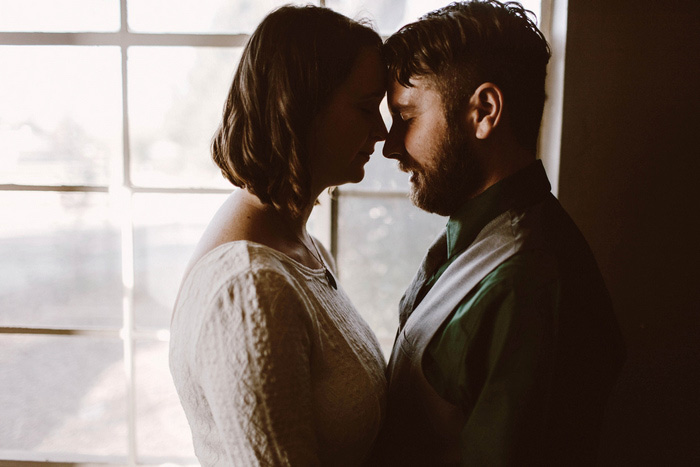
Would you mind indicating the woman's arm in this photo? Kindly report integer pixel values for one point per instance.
(253, 358)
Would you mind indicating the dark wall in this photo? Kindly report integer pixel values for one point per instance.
(630, 177)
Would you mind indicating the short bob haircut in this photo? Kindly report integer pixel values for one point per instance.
(293, 62)
(465, 44)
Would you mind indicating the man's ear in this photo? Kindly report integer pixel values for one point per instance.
(485, 109)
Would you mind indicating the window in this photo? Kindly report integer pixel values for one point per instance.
(106, 112)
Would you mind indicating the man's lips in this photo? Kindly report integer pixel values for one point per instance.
(410, 169)
(404, 166)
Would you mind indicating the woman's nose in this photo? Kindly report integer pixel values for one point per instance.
(380, 133)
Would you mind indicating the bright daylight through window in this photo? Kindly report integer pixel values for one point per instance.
(107, 108)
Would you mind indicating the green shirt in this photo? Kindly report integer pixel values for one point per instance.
(500, 356)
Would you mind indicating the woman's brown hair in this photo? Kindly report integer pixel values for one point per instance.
(293, 62)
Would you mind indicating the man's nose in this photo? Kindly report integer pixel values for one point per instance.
(393, 146)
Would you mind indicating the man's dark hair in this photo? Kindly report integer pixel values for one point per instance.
(293, 62)
(465, 44)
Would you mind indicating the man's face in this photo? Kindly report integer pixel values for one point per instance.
(433, 148)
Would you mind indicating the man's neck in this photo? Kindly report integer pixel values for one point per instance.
(504, 167)
(494, 168)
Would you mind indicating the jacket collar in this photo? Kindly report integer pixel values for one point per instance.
(525, 187)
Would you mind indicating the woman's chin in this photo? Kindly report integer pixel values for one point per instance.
(358, 177)
(354, 176)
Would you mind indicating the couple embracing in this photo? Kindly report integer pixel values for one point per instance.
(507, 346)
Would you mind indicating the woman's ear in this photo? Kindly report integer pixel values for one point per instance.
(485, 109)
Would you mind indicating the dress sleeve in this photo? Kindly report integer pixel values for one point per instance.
(253, 359)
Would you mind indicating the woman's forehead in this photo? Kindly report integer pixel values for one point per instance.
(367, 78)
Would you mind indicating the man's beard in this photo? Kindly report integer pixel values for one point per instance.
(442, 187)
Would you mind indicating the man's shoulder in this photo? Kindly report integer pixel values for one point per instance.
(524, 273)
(525, 269)
(523, 277)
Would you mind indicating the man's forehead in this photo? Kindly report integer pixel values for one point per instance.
(399, 95)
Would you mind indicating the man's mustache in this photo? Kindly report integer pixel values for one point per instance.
(406, 165)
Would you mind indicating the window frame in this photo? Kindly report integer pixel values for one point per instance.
(121, 191)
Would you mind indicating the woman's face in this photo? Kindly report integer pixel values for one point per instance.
(343, 134)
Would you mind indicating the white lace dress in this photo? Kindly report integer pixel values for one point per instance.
(271, 364)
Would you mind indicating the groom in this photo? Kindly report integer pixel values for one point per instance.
(507, 346)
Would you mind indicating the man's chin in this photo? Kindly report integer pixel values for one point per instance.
(418, 195)
(429, 202)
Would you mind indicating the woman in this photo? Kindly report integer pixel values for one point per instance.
(272, 363)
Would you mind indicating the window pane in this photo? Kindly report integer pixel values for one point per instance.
(381, 242)
(167, 228)
(387, 15)
(390, 15)
(59, 15)
(62, 394)
(176, 96)
(199, 16)
(534, 6)
(61, 114)
(60, 260)
(162, 427)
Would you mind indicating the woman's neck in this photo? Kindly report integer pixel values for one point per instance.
(244, 217)
(272, 220)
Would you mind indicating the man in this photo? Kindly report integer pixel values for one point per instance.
(508, 346)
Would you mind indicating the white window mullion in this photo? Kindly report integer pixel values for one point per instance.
(553, 25)
(127, 245)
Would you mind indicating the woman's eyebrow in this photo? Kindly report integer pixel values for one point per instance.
(379, 94)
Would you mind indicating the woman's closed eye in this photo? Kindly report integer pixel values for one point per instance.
(369, 107)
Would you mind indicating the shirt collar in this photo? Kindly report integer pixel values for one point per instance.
(523, 188)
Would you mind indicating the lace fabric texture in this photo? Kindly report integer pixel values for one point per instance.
(272, 365)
